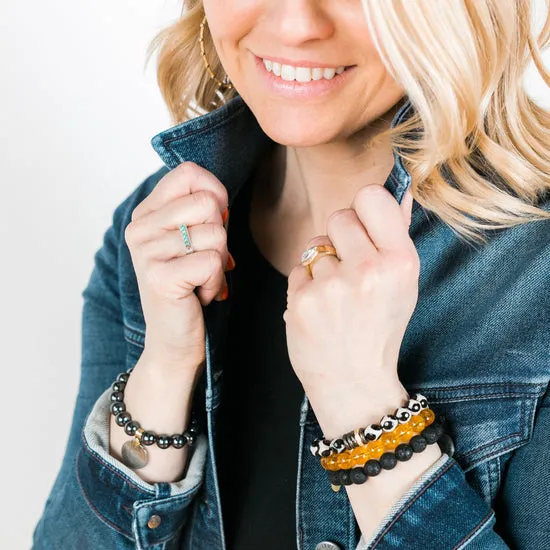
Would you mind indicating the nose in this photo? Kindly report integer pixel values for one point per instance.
(300, 21)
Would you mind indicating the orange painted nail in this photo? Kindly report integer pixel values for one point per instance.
(230, 262)
(225, 292)
(225, 215)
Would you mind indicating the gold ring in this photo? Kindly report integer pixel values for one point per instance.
(316, 252)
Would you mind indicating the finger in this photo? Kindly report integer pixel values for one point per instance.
(382, 217)
(349, 235)
(201, 269)
(325, 264)
(186, 178)
(206, 236)
(406, 207)
(194, 209)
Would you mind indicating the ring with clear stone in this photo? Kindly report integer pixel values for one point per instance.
(316, 252)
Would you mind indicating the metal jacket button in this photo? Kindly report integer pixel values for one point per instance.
(327, 545)
(154, 521)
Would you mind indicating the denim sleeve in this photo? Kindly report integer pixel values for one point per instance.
(442, 511)
(96, 501)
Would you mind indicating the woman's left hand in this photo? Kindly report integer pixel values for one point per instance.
(345, 323)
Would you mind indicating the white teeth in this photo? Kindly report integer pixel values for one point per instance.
(288, 72)
(301, 74)
(316, 74)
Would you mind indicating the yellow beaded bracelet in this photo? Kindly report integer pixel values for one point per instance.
(387, 442)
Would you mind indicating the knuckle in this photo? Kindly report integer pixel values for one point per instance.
(342, 215)
(206, 202)
(156, 278)
(130, 233)
(214, 260)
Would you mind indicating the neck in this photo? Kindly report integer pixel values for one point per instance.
(315, 181)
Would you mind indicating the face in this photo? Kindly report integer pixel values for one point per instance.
(307, 69)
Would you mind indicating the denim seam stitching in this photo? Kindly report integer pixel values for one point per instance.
(104, 464)
(210, 127)
(92, 506)
(474, 531)
(503, 438)
(437, 475)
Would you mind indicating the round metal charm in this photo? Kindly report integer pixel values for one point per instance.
(134, 454)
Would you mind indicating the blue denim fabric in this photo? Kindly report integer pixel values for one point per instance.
(477, 346)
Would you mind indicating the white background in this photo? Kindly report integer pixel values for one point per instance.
(77, 112)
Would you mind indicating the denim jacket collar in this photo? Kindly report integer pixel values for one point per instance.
(229, 140)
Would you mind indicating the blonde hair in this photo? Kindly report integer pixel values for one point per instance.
(477, 146)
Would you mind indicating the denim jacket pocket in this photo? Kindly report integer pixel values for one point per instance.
(486, 422)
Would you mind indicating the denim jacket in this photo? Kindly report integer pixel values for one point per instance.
(477, 346)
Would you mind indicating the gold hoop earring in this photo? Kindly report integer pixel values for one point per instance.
(225, 83)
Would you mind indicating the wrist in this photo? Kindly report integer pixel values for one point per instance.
(343, 409)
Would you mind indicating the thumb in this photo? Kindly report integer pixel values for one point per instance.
(406, 206)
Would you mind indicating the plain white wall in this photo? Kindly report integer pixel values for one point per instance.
(77, 112)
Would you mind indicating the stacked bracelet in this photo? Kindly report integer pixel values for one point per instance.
(362, 436)
(134, 453)
(403, 452)
(364, 452)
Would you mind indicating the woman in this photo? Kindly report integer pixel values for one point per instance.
(324, 120)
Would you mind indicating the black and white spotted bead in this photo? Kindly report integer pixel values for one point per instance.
(372, 432)
(320, 447)
(414, 406)
(337, 445)
(389, 422)
(403, 415)
(421, 399)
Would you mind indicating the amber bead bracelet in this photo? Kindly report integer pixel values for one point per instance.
(403, 452)
(134, 453)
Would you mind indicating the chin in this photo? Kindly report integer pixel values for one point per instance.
(297, 131)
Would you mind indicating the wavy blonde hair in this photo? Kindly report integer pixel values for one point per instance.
(477, 146)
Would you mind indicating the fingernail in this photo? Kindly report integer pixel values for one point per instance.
(225, 215)
(230, 262)
(225, 292)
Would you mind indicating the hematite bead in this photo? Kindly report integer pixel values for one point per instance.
(148, 438)
(123, 418)
(178, 441)
(403, 452)
(344, 477)
(387, 461)
(117, 396)
(118, 386)
(132, 427)
(418, 443)
(358, 476)
(190, 438)
(117, 407)
(123, 377)
(372, 467)
(164, 441)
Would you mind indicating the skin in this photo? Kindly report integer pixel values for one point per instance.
(345, 324)
(330, 190)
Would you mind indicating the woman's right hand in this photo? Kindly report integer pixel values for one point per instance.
(167, 276)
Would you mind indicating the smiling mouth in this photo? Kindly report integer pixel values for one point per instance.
(292, 73)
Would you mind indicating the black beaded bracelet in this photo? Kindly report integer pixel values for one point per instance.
(134, 453)
(403, 452)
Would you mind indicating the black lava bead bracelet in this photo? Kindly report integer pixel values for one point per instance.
(403, 452)
(134, 453)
